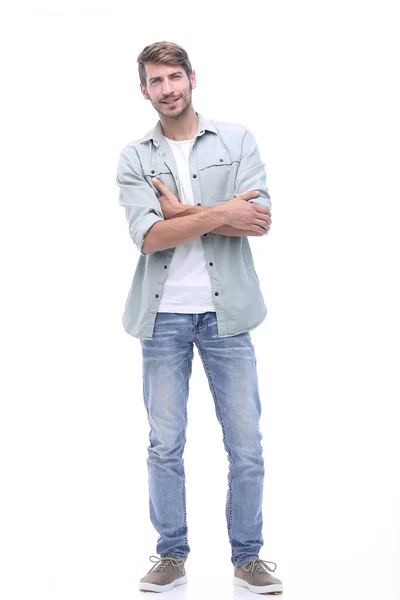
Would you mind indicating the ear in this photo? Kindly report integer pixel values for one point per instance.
(193, 79)
(144, 92)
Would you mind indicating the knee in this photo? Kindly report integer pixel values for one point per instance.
(246, 452)
(166, 446)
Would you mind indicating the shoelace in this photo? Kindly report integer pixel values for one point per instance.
(162, 563)
(259, 565)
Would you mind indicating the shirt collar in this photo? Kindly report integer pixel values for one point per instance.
(156, 133)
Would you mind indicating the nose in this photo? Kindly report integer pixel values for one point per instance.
(166, 88)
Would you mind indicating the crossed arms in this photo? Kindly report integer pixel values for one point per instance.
(143, 209)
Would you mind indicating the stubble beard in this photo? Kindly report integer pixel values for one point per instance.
(186, 100)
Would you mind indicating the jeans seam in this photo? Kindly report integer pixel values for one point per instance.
(182, 469)
(224, 437)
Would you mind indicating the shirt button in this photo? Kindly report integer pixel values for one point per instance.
(194, 176)
(153, 172)
(221, 160)
(165, 266)
(211, 264)
(216, 294)
(157, 296)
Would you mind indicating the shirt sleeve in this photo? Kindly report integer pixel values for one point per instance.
(142, 208)
(251, 174)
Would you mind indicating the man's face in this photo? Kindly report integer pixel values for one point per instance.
(168, 89)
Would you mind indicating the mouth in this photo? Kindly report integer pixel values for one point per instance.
(170, 102)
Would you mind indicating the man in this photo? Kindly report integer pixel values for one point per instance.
(193, 190)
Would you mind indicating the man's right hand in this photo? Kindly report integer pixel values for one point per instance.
(242, 214)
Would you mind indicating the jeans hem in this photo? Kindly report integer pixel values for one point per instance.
(246, 561)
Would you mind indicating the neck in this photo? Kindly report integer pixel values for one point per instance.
(180, 128)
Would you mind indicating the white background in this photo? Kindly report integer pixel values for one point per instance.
(317, 84)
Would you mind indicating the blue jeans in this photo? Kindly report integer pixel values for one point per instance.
(230, 366)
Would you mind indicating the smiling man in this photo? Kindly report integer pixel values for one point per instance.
(169, 89)
(193, 190)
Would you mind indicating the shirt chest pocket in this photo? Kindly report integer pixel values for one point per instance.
(163, 174)
(217, 177)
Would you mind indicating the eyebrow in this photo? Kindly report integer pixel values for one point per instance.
(170, 75)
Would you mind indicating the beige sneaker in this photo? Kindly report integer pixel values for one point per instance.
(164, 575)
(255, 577)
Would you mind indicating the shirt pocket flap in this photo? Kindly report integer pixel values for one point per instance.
(163, 173)
(156, 169)
(216, 159)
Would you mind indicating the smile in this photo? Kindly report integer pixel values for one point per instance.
(170, 101)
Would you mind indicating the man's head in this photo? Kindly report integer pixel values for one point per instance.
(166, 75)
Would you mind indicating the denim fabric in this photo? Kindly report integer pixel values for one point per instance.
(224, 163)
(230, 366)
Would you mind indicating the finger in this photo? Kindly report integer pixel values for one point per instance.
(262, 227)
(262, 223)
(264, 216)
(160, 186)
(249, 195)
(250, 232)
(262, 209)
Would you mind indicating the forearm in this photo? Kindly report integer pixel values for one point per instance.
(221, 230)
(172, 232)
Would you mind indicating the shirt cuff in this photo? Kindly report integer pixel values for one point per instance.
(142, 228)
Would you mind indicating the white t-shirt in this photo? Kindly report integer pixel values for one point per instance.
(187, 288)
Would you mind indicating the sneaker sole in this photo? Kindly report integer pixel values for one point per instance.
(274, 588)
(153, 587)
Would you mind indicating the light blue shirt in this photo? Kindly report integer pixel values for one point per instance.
(224, 163)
